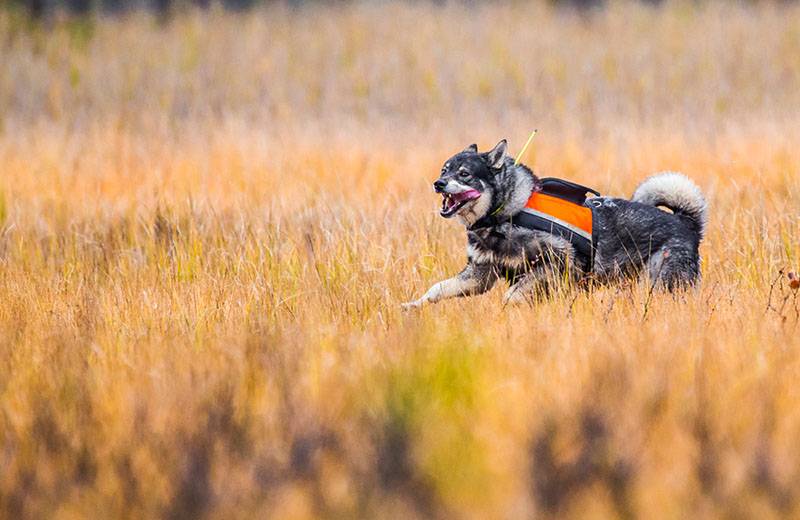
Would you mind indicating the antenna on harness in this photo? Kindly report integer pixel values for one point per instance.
(525, 148)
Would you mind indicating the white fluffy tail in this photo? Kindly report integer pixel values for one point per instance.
(676, 192)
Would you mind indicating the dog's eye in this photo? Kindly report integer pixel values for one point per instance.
(463, 173)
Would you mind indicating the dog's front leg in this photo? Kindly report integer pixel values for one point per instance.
(474, 279)
(529, 288)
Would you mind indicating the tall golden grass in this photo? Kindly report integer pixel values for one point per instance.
(207, 226)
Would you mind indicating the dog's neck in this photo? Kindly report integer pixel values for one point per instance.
(515, 184)
(513, 187)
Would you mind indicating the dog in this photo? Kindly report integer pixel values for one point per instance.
(487, 191)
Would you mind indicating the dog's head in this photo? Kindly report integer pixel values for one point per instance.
(468, 181)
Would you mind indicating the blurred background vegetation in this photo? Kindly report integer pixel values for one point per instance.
(208, 220)
(39, 9)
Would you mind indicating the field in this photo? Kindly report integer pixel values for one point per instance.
(208, 224)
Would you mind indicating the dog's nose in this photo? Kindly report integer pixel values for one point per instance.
(439, 185)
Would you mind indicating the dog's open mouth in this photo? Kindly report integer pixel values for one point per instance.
(452, 202)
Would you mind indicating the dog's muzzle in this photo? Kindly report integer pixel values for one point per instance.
(452, 202)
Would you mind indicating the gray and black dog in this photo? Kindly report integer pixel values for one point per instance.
(630, 236)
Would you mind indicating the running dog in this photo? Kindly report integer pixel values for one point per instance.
(538, 232)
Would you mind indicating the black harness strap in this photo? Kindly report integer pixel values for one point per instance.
(566, 190)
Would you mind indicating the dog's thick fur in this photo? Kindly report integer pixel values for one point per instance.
(632, 236)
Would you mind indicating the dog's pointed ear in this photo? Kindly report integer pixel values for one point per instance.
(497, 155)
(473, 148)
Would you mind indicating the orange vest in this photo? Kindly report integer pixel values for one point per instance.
(575, 217)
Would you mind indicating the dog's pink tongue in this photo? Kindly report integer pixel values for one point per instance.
(467, 195)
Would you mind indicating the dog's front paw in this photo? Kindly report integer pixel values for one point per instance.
(516, 296)
(408, 306)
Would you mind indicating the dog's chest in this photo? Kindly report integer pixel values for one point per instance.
(500, 247)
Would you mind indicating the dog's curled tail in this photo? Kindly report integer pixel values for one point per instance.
(678, 193)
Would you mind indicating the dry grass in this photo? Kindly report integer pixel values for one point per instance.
(206, 229)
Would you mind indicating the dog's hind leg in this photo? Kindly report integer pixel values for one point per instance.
(674, 266)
